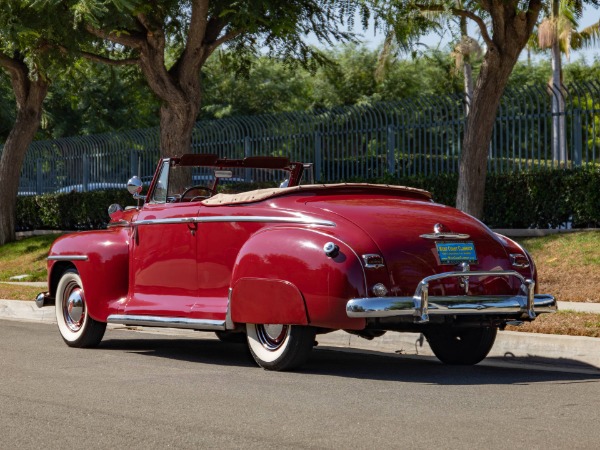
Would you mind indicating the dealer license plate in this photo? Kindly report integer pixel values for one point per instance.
(456, 252)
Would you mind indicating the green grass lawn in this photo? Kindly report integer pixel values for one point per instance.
(568, 265)
(25, 257)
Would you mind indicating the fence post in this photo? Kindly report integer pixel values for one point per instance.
(86, 172)
(39, 187)
(247, 152)
(134, 163)
(391, 150)
(577, 145)
(318, 157)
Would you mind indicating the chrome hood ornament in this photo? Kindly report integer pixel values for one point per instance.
(441, 231)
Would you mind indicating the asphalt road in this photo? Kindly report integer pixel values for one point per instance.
(141, 390)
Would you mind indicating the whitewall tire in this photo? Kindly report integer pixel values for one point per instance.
(76, 327)
(280, 347)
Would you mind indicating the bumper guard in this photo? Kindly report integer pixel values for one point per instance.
(421, 305)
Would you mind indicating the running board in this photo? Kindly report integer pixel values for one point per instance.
(168, 322)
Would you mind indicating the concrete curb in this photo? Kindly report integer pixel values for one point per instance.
(545, 350)
(512, 346)
(26, 310)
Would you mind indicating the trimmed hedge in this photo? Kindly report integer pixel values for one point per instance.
(540, 199)
(72, 211)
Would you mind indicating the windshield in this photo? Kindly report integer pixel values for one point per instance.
(177, 183)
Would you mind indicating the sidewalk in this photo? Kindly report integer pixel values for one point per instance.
(545, 351)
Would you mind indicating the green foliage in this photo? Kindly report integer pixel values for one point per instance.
(73, 211)
(581, 70)
(277, 26)
(268, 86)
(7, 108)
(540, 199)
(89, 98)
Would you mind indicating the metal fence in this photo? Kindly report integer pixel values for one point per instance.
(418, 136)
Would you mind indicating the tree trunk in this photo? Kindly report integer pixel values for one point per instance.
(511, 30)
(559, 132)
(177, 122)
(29, 112)
(468, 87)
(179, 90)
(492, 79)
(467, 68)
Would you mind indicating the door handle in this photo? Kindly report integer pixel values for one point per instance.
(192, 226)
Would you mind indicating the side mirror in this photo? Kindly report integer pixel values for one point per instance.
(134, 186)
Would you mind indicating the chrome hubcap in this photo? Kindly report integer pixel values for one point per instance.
(272, 336)
(74, 307)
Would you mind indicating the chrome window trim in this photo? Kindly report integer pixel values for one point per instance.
(170, 322)
(67, 258)
(212, 219)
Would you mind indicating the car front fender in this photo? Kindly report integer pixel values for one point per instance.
(102, 260)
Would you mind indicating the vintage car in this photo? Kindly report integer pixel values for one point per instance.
(277, 266)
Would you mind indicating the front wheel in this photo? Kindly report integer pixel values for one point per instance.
(280, 347)
(76, 327)
(462, 346)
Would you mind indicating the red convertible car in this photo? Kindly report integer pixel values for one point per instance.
(278, 266)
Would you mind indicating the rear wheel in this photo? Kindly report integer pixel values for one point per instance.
(280, 347)
(462, 346)
(76, 327)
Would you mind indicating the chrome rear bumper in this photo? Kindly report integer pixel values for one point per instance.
(421, 305)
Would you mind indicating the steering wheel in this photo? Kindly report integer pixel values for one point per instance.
(194, 195)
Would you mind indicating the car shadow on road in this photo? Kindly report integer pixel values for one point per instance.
(328, 361)
(423, 369)
(196, 349)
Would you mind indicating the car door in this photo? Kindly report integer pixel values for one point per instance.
(218, 246)
(163, 278)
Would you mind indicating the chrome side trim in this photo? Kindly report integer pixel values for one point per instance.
(209, 219)
(170, 322)
(420, 304)
(67, 258)
(120, 223)
(165, 221)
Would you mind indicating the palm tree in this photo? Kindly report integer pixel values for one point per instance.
(433, 18)
(557, 31)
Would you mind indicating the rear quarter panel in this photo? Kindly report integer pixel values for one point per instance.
(295, 257)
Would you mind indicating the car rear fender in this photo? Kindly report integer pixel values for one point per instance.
(102, 260)
(282, 275)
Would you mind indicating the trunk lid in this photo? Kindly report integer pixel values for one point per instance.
(397, 224)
